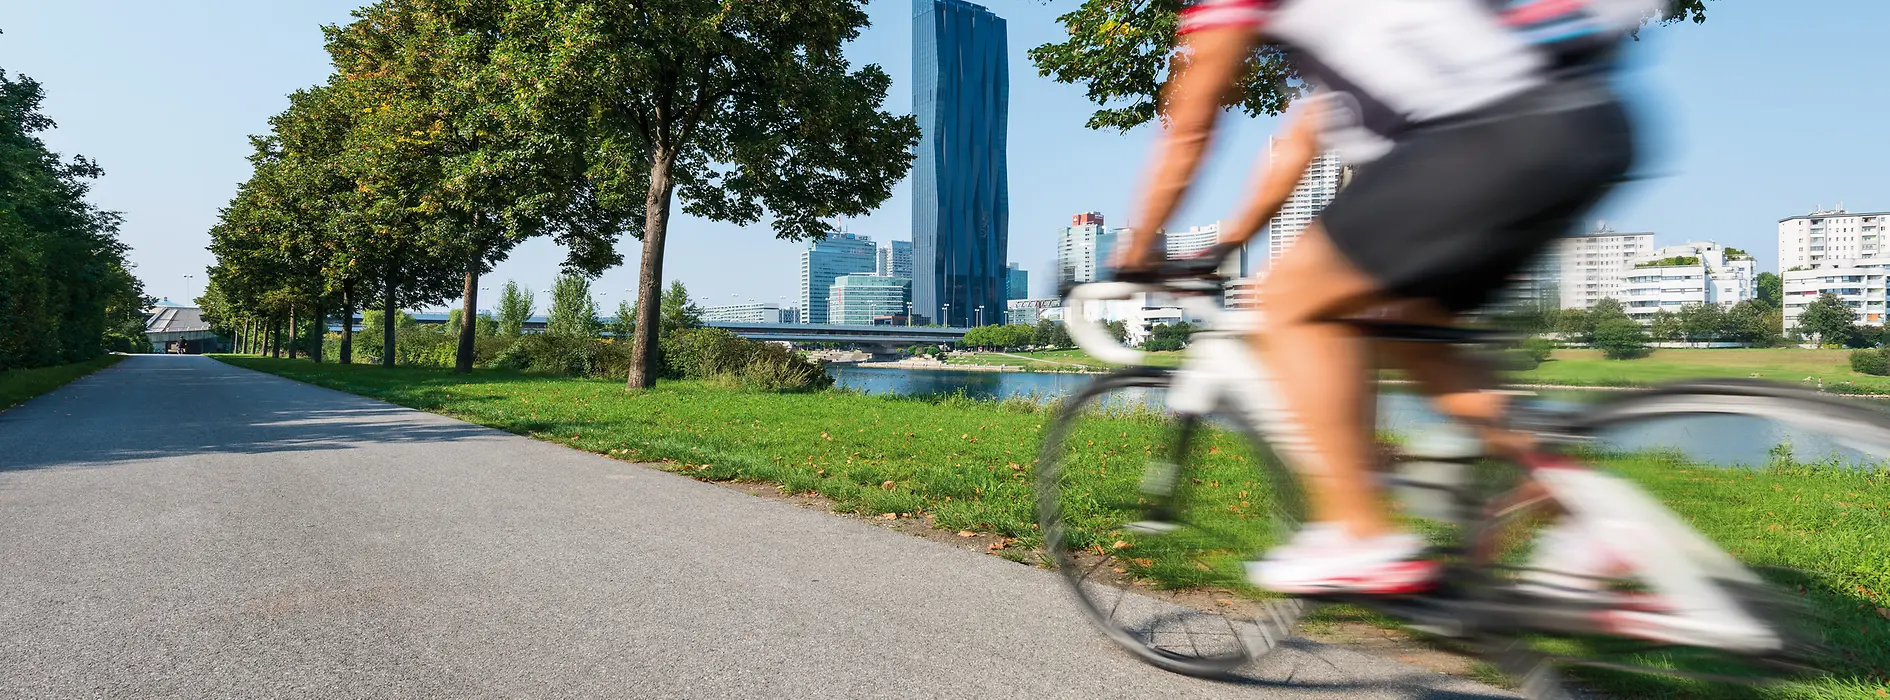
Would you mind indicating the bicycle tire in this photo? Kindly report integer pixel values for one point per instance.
(1253, 625)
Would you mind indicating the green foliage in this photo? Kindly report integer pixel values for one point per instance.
(1753, 323)
(625, 323)
(1168, 336)
(1620, 339)
(1829, 320)
(1538, 349)
(1050, 334)
(1871, 361)
(573, 312)
(1009, 337)
(515, 308)
(373, 320)
(1770, 290)
(1577, 325)
(717, 355)
(1701, 323)
(1665, 327)
(66, 290)
(1117, 329)
(421, 346)
(1674, 261)
(679, 312)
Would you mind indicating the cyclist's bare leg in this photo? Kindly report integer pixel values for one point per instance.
(1459, 386)
(1321, 369)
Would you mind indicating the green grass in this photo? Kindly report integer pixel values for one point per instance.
(967, 463)
(1051, 360)
(16, 386)
(1789, 365)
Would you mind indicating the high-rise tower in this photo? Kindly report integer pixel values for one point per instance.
(961, 195)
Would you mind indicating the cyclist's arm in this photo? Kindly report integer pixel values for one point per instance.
(1194, 97)
(1299, 145)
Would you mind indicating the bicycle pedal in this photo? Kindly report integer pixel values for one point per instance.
(1151, 527)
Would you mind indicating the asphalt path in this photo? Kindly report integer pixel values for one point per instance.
(176, 527)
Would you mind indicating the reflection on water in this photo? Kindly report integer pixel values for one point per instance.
(1728, 440)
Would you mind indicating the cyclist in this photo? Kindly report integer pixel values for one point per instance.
(1481, 130)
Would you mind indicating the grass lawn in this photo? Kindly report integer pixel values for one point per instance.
(967, 463)
(1054, 359)
(16, 386)
(1789, 365)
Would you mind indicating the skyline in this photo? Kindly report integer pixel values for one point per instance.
(165, 97)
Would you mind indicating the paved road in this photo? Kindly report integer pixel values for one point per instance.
(177, 527)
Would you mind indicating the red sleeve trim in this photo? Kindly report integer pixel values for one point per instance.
(1214, 14)
(1539, 11)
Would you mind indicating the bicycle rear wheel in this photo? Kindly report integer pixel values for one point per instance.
(1149, 515)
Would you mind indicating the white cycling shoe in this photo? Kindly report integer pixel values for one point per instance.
(1322, 560)
(1570, 564)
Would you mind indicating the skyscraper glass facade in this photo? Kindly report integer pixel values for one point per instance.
(823, 261)
(1017, 283)
(961, 195)
(895, 260)
(854, 300)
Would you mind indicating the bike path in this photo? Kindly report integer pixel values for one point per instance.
(174, 526)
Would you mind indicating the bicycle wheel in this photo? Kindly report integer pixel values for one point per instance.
(1148, 516)
(1730, 456)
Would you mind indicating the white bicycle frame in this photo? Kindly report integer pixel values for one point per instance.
(1679, 564)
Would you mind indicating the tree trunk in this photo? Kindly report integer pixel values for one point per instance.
(463, 361)
(390, 314)
(643, 368)
(347, 322)
(294, 334)
(275, 338)
(321, 335)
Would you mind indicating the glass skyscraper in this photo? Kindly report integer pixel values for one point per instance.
(961, 195)
(855, 300)
(823, 261)
(895, 259)
(1016, 283)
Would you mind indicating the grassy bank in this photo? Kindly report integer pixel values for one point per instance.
(967, 464)
(16, 386)
(1788, 365)
(1053, 360)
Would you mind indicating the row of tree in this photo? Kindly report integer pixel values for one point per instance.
(452, 131)
(66, 291)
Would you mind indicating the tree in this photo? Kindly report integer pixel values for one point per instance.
(1828, 319)
(1666, 326)
(1576, 325)
(1117, 329)
(1168, 336)
(1750, 322)
(1770, 290)
(1701, 322)
(1123, 52)
(573, 312)
(679, 312)
(1620, 339)
(515, 308)
(625, 323)
(740, 109)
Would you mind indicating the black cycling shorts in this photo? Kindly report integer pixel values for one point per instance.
(1456, 209)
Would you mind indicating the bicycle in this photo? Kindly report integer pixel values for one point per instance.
(1179, 523)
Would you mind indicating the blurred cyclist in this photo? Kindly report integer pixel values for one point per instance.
(1481, 131)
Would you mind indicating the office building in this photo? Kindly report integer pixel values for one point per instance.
(855, 300)
(1836, 252)
(960, 186)
(1016, 283)
(1030, 311)
(1804, 241)
(895, 260)
(1671, 277)
(751, 312)
(1083, 249)
(1592, 264)
(1195, 240)
(826, 260)
(1316, 189)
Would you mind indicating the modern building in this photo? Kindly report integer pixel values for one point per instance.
(1083, 249)
(1316, 189)
(1016, 283)
(1241, 293)
(1858, 283)
(752, 312)
(855, 300)
(1030, 311)
(179, 330)
(1700, 272)
(1592, 264)
(1833, 234)
(961, 191)
(826, 260)
(1181, 244)
(895, 260)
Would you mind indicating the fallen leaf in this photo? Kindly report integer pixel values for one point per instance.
(888, 485)
(889, 516)
(967, 533)
(994, 546)
(826, 436)
(1119, 545)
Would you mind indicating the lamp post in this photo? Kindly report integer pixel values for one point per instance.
(908, 314)
(945, 319)
(980, 314)
(189, 290)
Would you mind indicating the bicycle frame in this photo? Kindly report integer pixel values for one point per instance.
(1681, 566)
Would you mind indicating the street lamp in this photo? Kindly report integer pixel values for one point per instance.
(945, 319)
(908, 314)
(980, 314)
(189, 291)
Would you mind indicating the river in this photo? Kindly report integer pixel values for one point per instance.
(1725, 440)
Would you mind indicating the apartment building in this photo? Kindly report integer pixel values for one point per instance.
(1083, 249)
(1316, 189)
(1698, 272)
(1591, 265)
(1838, 252)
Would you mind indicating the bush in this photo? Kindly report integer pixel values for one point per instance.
(1538, 349)
(717, 355)
(1620, 339)
(1873, 362)
(419, 346)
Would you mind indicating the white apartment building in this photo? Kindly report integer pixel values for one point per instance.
(1592, 264)
(1316, 189)
(1083, 249)
(1834, 251)
(1835, 234)
(1699, 272)
(751, 312)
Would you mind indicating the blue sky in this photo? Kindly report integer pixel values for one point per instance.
(1768, 110)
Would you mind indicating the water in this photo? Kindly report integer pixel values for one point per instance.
(1725, 440)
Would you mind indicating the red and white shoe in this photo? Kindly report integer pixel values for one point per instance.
(1322, 559)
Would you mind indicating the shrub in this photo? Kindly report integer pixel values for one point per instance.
(419, 346)
(717, 355)
(1872, 361)
(1538, 349)
(1620, 339)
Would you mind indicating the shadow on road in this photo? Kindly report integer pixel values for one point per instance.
(158, 406)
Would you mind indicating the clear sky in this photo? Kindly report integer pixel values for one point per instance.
(1771, 108)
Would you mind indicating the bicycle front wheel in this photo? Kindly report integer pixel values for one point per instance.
(1149, 516)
